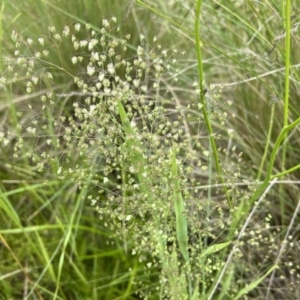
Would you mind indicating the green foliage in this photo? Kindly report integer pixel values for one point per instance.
(132, 154)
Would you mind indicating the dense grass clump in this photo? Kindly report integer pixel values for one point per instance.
(135, 169)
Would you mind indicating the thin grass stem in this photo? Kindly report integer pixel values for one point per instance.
(286, 93)
(203, 104)
(267, 143)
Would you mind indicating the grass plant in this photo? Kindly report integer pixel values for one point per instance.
(149, 161)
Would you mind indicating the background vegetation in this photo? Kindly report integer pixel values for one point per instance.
(158, 192)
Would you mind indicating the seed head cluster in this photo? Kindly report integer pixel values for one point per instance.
(110, 121)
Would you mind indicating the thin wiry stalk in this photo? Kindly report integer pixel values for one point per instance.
(293, 169)
(270, 168)
(239, 237)
(164, 16)
(286, 87)
(267, 143)
(202, 100)
(283, 247)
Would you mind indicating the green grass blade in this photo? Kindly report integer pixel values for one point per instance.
(253, 284)
(214, 248)
(179, 207)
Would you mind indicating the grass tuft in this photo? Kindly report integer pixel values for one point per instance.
(143, 162)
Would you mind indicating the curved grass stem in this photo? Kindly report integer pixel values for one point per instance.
(269, 176)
